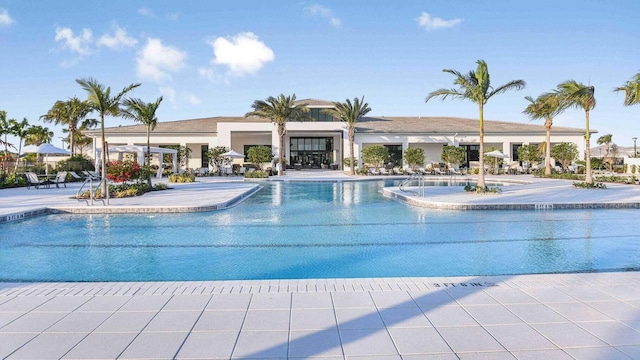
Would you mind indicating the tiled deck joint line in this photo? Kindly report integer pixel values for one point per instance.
(121, 209)
(543, 206)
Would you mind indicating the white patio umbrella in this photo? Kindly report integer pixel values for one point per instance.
(233, 154)
(45, 149)
(496, 154)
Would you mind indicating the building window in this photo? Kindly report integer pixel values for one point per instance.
(473, 153)
(320, 115)
(203, 155)
(311, 152)
(515, 149)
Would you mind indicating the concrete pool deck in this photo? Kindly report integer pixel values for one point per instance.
(556, 316)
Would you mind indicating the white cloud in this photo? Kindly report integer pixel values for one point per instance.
(80, 44)
(323, 12)
(5, 18)
(242, 53)
(155, 60)
(206, 73)
(192, 99)
(168, 93)
(119, 39)
(434, 23)
(144, 11)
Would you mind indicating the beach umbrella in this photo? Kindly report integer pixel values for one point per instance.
(496, 154)
(45, 149)
(233, 154)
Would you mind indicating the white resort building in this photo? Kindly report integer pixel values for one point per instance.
(322, 142)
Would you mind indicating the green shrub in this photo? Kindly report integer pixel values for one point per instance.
(633, 168)
(258, 174)
(160, 186)
(486, 190)
(586, 185)
(182, 178)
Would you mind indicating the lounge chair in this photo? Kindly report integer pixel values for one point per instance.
(436, 171)
(203, 171)
(75, 176)
(90, 175)
(61, 178)
(397, 171)
(453, 171)
(384, 171)
(32, 180)
(373, 171)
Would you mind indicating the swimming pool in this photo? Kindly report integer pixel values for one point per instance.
(317, 230)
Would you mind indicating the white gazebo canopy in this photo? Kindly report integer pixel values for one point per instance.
(140, 151)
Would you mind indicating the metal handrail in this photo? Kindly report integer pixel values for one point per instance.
(417, 176)
(92, 192)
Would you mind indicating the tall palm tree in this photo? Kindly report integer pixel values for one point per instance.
(38, 135)
(144, 113)
(545, 106)
(5, 130)
(100, 100)
(21, 130)
(350, 114)
(580, 96)
(72, 113)
(606, 140)
(631, 90)
(476, 87)
(279, 110)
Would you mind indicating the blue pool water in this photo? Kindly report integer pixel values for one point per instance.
(317, 230)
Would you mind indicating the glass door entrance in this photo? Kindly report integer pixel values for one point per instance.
(311, 152)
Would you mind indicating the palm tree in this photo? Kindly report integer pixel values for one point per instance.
(5, 130)
(71, 113)
(350, 114)
(21, 130)
(279, 110)
(578, 95)
(38, 135)
(606, 140)
(476, 87)
(545, 106)
(631, 91)
(144, 113)
(100, 100)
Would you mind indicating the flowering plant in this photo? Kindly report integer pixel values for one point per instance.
(122, 171)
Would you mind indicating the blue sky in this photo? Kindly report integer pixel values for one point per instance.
(215, 58)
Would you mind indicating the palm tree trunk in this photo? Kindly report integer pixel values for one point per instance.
(480, 187)
(588, 179)
(72, 133)
(18, 157)
(547, 161)
(103, 155)
(280, 148)
(352, 135)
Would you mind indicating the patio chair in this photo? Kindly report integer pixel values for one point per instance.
(397, 171)
(90, 175)
(453, 171)
(61, 178)
(384, 171)
(373, 171)
(75, 176)
(436, 171)
(32, 180)
(203, 171)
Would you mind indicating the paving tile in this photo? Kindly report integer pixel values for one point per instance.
(374, 357)
(307, 343)
(261, 344)
(449, 356)
(352, 300)
(492, 315)
(567, 335)
(608, 353)
(11, 342)
(471, 296)
(229, 302)
(173, 321)
(314, 300)
(536, 313)
(542, 354)
(616, 310)
(101, 346)
(510, 296)
(359, 318)
(126, 322)
(48, 346)
(220, 320)
(586, 293)
(187, 302)
(631, 351)
(395, 299)
(613, 333)
(33, 322)
(367, 342)
(7, 317)
(154, 345)
(519, 337)
(104, 303)
(469, 338)
(548, 295)
(24, 303)
(622, 292)
(493, 355)
(270, 301)
(146, 303)
(404, 317)
(578, 312)
(632, 323)
(432, 299)
(208, 345)
(79, 322)
(424, 340)
(313, 319)
(449, 316)
(266, 320)
(62, 304)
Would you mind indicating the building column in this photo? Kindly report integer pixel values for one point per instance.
(405, 145)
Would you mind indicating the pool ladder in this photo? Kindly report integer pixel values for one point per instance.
(92, 192)
(417, 177)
